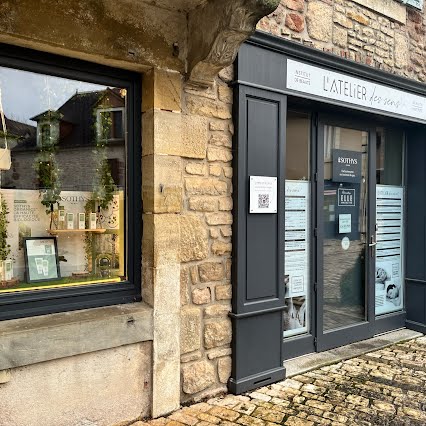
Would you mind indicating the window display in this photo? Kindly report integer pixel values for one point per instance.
(66, 183)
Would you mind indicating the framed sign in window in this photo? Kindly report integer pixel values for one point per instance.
(41, 259)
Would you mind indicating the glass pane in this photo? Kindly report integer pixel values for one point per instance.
(298, 144)
(297, 249)
(345, 226)
(63, 195)
(390, 222)
(389, 156)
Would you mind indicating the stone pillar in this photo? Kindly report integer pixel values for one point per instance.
(162, 204)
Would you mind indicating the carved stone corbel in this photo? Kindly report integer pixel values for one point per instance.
(216, 31)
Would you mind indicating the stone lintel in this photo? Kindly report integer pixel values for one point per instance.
(216, 32)
(131, 34)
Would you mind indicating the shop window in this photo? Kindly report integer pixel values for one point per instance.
(297, 224)
(67, 200)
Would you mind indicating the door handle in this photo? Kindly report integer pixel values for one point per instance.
(372, 242)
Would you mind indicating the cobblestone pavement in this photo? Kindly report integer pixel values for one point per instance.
(385, 387)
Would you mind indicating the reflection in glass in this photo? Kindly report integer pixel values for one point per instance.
(344, 225)
(67, 178)
(389, 279)
(297, 146)
(389, 156)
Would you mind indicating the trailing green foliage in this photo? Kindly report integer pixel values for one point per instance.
(45, 164)
(103, 185)
(4, 246)
(88, 238)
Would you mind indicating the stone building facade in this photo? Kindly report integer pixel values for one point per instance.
(124, 362)
(193, 194)
(175, 346)
(383, 34)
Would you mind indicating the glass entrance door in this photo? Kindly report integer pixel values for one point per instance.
(345, 234)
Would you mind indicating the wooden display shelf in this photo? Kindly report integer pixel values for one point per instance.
(75, 231)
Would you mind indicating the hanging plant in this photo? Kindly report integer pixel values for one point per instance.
(103, 185)
(4, 246)
(89, 207)
(45, 164)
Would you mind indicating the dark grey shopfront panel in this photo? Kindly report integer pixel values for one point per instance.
(416, 231)
(262, 156)
(258, 268)
(261, 67)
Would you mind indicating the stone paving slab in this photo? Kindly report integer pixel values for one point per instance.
(306, 363)
(384, 387)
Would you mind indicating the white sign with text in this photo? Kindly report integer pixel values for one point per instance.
(336, 86)
(263, 194)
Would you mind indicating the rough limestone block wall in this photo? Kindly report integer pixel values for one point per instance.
(206, 242)
(386, 34)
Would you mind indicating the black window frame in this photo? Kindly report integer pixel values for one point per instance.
(40, 302)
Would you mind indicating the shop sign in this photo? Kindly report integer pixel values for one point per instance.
(346, 197)
(418, 4)
(346, 166)
(361, 94)
(263, 194)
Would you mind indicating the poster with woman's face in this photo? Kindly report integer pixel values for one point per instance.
(388, 286)
(295, 311)
(389, 249)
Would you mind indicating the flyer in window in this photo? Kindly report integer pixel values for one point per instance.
(389, 281)
(296, 263)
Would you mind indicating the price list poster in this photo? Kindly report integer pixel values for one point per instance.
(389, 249)
(296, 265)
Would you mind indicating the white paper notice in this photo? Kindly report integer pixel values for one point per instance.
(263, 194)
(345, 223)
(296, 264)
(389, 249)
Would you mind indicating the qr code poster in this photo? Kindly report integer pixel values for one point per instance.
(263, 194)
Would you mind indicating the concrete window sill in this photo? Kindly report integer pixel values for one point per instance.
(32, 340)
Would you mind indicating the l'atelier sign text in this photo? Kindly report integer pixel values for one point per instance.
(356, 91)
(331, 85)
(344, 88)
